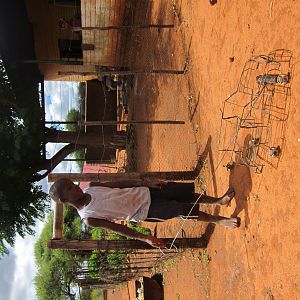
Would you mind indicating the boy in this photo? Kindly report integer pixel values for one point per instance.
(136, 200)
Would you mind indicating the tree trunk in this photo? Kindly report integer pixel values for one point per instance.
(49, 164)
(75, 141)
(116, 140)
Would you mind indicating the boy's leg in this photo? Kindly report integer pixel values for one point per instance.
(224, 200)
(175, 191)
(227, 222)
(184, 192)
(161, 210)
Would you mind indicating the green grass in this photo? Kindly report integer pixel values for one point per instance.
(97, 294)
(204, 258)
(138, 228)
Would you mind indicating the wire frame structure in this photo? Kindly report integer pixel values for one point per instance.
(254, 115)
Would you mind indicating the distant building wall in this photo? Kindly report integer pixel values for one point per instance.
(53, 43)
(97, 168)
(96, 13)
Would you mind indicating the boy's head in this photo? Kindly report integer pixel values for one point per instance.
(65, 191)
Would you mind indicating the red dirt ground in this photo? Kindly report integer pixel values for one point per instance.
(261, 259)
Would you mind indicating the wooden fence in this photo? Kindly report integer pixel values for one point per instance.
(96, 13)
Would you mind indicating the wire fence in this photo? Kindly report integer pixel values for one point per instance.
(107, 269)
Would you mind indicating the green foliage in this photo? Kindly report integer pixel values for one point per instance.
(75, 115)
(205, 258)
(74, 229)
(100, 259)
(41, 251)
(97, 294)
(85, 294)
(81, 95)
(101, 234)
(21, 136)
(138, 228)
(55, 276)
(54, 279)
(79, 154)
(114, 258)
(98, 233)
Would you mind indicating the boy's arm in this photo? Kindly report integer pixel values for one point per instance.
(125, 231)
(130, 183)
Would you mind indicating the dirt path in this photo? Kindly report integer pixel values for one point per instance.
(261, 259)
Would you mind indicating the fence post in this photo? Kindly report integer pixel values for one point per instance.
(113, 177)
(181, 243)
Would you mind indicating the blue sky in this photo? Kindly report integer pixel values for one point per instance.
(17, 270)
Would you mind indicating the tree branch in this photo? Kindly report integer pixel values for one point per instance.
(9, 103)
(115, 140)
(50, 164)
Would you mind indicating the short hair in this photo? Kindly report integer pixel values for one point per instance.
(57, 188)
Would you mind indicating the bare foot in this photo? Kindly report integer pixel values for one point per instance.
(230, 223)
(228, 196)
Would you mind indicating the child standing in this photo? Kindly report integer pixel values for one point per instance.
(102, 204)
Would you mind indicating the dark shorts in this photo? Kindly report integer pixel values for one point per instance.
(174, 200)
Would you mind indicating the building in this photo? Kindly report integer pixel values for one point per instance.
(37, 43)
(66, 52)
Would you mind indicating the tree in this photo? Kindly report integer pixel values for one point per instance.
(75, 115)
(21, 202)
(23, 137)
(74, 141)
(56, 268)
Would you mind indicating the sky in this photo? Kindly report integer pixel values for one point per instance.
(17, 270)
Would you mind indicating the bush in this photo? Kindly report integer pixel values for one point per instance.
(97, 294)
(100, 261)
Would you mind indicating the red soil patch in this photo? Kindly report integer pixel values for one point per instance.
(261, 259)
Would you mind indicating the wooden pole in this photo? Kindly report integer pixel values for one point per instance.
(53, 62)
(58, 221)
(70, 73)
(61, 122)
(99, 123)
(136, 72)
(123, 244)
(92, 281)
(113, 177)
(106, 72)
(104, 28)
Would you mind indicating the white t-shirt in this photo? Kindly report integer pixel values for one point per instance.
(117, 204)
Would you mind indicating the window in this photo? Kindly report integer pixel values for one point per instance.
(70, 48)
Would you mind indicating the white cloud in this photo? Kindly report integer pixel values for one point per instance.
(18, 269)
(63, 98)
(25, 269)
(7, 266)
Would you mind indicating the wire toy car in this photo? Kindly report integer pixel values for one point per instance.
(253, 116)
